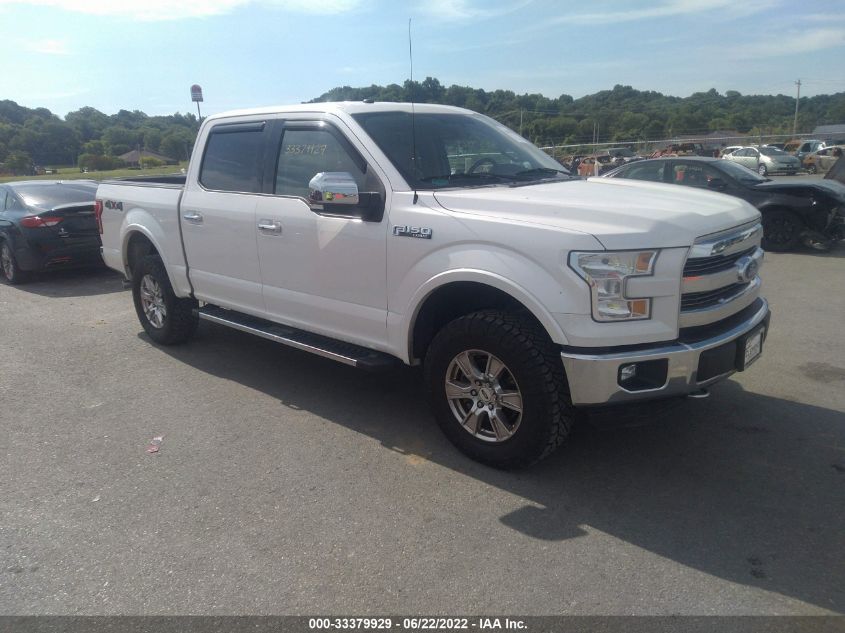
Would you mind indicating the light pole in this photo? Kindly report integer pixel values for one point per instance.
(797, 100)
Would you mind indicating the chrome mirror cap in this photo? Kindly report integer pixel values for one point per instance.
(333, 187)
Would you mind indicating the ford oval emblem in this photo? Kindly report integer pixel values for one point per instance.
(746, 268)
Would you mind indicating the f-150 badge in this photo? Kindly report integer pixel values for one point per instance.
(412, 231)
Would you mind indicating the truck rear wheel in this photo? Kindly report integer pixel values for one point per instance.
(497, 388)
(166, 318)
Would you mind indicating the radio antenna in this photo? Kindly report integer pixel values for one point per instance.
(413, 115)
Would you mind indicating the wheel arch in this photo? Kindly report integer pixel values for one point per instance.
(458, 293)
(778, 205)
(137, 244)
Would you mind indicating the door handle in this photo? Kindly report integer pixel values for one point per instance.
(193, 216)
(269, 226)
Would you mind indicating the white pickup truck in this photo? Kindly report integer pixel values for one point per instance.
(376, 234)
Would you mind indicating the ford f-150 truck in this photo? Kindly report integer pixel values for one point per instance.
(376, 234)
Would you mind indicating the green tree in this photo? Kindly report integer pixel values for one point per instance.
(177, 144)
(152, 138)
(88, 122)
(19, 163)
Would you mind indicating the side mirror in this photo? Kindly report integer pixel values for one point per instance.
(334, 188)
(717, 183)
(336, 193)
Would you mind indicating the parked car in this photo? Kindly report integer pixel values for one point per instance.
(813, 211)
(524, 293)
(47, 224)
(587, 166)
(765, 160)
(730, 149)
(822, 160)
(800, 148)
(622, 155)
(685, 149)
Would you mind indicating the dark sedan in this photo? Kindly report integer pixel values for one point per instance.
(46, 224)
(812, 211)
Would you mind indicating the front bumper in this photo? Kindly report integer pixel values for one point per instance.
(696, 361)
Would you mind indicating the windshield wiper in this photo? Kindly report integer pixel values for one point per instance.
(541, 171)
(449, 178)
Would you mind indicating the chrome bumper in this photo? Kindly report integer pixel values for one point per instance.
(594, 378)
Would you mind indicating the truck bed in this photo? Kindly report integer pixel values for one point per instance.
(167, 179)
(150, 204)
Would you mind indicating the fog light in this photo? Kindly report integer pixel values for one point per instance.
(626, 372)
(644, 375)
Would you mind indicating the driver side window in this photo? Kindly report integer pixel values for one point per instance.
(306, 152)
(651, 171)
(694, 175)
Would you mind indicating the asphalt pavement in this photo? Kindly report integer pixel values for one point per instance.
(288, 484)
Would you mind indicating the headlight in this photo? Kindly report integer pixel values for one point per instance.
(607, 273)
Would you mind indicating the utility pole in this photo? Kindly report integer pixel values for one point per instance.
(797, 100)
(520, 121)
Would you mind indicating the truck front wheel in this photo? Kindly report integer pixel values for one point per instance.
(166, 318)
(497, 388)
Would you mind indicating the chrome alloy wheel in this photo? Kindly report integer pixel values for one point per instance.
(152, 301)
(483, 396)
(6, 261)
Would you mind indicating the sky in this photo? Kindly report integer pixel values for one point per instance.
(145, 55)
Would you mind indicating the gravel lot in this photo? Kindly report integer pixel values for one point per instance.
(287, 484)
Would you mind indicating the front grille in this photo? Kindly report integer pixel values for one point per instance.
(698, 300)
(714, 264)
(711, 289)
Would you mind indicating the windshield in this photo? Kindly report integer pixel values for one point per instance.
(457, 150)
(740, 173)
(772, 151)
(621, 151)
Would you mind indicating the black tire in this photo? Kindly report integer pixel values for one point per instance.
(9, 265)
(535, 368)
(178, 321)
(781, 230)
(812, 169)
(762, 170)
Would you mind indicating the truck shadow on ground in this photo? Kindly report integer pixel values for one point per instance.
(742, 486)
(74, 282)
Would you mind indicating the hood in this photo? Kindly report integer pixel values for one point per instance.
(803, 188)
(620, 213)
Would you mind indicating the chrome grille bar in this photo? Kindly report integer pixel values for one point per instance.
(720, 275)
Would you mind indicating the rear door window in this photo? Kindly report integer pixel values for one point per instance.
(234, 158)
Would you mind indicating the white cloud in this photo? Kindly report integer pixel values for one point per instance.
(669, 8)
(452, 10)
(47, 47)
(824, 17)
(156, 10)
(792, 43)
